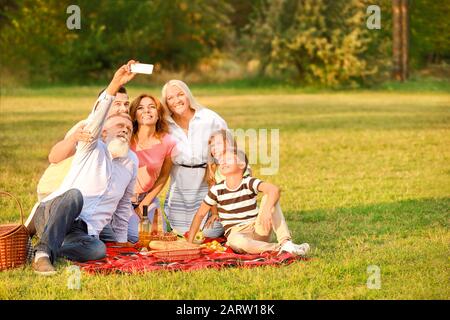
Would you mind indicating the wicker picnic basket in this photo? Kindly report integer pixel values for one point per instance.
(14, 241)
(166, 245)
(156, 232)
(177, 255)
(157, 228)
(174, 250)
(163, 236)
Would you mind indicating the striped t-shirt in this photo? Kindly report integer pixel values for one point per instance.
(236, 206)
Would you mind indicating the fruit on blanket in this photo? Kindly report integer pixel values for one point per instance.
(214, 246)
(199, 237)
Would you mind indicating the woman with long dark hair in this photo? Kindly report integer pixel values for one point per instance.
(154, 147)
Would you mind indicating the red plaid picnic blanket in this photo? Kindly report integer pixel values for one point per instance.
(130, 260)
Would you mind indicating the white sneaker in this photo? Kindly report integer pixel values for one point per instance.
(297, 249)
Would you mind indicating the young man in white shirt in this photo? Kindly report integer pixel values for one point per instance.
(97, 190)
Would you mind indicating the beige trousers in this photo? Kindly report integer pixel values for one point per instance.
(252, 238)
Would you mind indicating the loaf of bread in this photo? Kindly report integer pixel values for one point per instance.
(172, 245)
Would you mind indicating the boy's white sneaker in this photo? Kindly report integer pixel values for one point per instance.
(297, 249)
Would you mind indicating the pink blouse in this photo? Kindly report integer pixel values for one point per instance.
(151, 161)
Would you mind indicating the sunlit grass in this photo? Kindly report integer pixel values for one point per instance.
(364, 177)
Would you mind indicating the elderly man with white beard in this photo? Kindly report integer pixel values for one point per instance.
(97, 190)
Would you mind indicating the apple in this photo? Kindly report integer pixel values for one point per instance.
(199, 237)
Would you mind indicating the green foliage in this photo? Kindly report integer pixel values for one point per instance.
(318, 41)
(430, 41)
(171, 34)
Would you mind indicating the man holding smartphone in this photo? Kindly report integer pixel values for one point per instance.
(61, 154)
(96, 191)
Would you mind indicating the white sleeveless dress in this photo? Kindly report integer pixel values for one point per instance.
(187, 186)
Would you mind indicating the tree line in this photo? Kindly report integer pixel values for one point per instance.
(305, 41)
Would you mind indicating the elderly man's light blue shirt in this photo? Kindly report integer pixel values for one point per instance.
(106, 184)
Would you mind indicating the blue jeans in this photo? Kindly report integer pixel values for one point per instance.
(107, 235)
(61, 235)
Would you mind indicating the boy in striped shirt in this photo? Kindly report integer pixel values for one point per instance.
(247, 229)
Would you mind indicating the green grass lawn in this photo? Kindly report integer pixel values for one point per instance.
(365, 180)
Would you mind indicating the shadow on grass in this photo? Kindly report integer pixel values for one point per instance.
(325, 227)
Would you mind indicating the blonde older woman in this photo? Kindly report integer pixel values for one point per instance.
(191, 124)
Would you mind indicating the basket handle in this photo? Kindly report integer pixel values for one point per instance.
(17, 201)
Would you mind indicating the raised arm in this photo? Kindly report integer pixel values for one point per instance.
(89, 133)
(97, 118)
(121, 77)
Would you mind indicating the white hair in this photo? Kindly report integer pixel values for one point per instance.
(183, 87)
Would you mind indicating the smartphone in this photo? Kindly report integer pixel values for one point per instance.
(142, 68)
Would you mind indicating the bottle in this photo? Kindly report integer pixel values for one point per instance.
(144, 228)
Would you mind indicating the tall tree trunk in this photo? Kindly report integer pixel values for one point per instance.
(400, 39)
(405, 39)
(396, 40)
